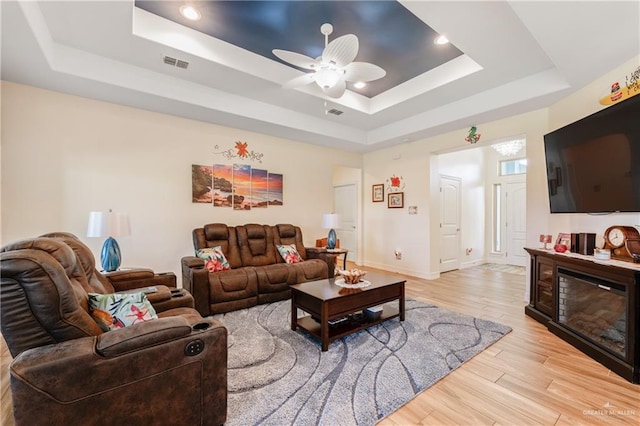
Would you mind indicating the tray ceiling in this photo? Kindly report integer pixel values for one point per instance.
(504, 58)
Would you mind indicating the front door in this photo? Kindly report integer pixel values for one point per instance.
(449, 223)
(516, 225)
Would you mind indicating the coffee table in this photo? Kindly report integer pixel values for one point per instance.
(325, 301)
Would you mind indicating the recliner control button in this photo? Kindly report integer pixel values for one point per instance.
(194, 348)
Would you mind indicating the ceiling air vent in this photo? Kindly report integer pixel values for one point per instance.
(175, 62)
(334, 111)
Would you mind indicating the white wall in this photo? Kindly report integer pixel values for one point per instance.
(63, 156)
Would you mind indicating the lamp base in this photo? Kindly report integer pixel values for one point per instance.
(331, 239)
(110, 255)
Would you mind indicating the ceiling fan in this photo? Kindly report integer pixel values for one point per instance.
(334, 67)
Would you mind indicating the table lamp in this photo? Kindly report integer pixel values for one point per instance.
(330, 221)
(109, 225)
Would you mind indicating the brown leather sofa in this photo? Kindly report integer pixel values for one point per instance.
(66, 370)
(258, 273)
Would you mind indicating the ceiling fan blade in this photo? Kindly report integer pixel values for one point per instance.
(297, 59)
(336, 91)
(341, 50)
(363, 71)
(299, 81)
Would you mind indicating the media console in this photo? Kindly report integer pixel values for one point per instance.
(593, 305)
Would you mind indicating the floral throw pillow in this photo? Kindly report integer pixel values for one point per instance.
(214, 259)
(289, 253)
(119, 310)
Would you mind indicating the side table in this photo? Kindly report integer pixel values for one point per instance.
(329, 255)
(337, 252)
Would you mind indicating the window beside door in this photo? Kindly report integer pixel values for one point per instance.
(497, 218)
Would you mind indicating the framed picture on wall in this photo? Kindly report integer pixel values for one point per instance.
(377, 193)
(395, 200)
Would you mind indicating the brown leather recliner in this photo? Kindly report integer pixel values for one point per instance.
(66, 370)
(160, 288)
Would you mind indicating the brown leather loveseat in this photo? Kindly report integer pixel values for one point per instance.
(67, 370)
(258, 273)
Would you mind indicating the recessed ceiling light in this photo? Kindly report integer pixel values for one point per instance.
(441, 40)
(359, 84)
(190, 12)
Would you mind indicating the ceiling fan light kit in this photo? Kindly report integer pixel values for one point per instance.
(334, 67)
(326, 77)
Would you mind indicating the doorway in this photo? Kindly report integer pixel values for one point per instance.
(492, 209)
(345, 201)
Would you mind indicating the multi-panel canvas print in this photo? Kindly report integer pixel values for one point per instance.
(238, 186)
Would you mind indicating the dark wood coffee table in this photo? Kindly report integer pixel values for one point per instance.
(325, 301)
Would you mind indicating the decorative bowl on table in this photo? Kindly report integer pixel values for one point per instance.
(353, 276)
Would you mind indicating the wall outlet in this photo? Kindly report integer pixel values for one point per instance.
(398, 254)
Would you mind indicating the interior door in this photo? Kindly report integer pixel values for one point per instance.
(449, 223)
(345, 201)
(516, 224)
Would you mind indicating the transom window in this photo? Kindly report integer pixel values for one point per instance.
(517, 166)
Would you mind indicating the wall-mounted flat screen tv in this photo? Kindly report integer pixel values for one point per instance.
(593, 165)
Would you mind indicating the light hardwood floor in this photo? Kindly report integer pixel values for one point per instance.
(529, 377)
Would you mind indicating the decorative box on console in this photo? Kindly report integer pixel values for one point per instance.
(583, 243)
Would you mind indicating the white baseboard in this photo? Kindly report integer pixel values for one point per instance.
(472, 263)
(404, 271)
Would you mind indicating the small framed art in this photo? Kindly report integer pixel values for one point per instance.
(395, 200)
(377, 193)
(564, 239)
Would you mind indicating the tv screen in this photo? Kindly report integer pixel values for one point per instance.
(593, 165)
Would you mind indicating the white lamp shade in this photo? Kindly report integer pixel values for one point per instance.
(108, 224)
(330, 221)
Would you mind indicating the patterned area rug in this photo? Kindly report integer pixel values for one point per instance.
(280, 377)
(510, 269)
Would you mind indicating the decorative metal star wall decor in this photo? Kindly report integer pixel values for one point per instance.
(241, 150)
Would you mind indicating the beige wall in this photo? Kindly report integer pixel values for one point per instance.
(418, 235)
(387, 230)
(580, 104)
(63, 156)
(418, 161)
